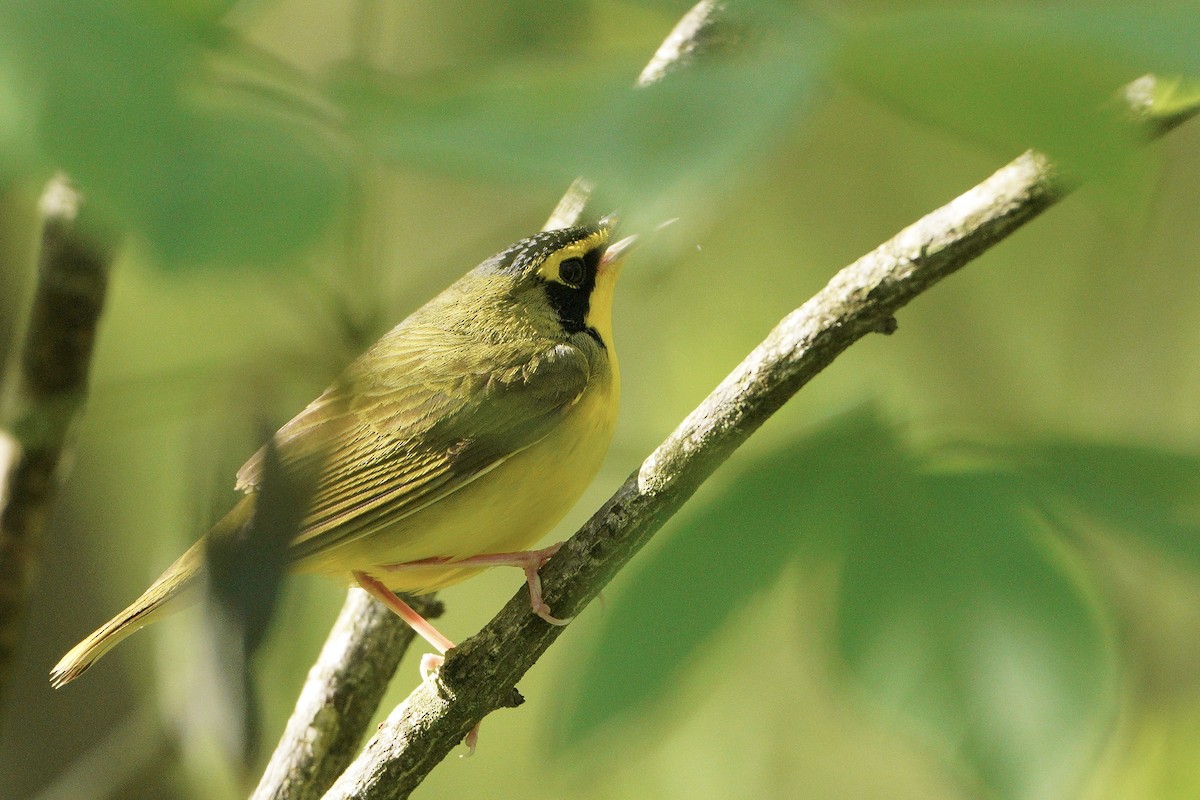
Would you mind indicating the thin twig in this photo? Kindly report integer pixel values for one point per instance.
(341, 694)
(572, 205)
(701, 31)
(479, 675)
(296, 769)
(860, 299)
(43, 396)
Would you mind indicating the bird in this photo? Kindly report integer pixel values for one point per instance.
(452, 444)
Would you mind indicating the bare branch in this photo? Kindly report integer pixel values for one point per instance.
(479, 675)
(314, 735)
(860, 299)
(572, 205)
(43, 396)
(341, 693)
(702, 32)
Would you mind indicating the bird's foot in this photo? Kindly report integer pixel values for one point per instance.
(529, 561)
(423, 627)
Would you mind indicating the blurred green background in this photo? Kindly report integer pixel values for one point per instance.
(961, 564)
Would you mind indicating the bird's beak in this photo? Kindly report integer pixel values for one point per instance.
(617, 251)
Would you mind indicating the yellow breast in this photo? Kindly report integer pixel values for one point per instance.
(507, 509)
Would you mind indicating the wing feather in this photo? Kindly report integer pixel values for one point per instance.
(404, 427)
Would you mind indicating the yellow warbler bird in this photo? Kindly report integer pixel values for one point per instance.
(453, 444)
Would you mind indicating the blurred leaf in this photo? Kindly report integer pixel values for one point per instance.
(658, 146)
(956, 615)
(238, 185)
(955, 612)
(118, 101)
(562, 26)
(1152, 493)
(200, 14)
(1174, 95)
(721, 554)
(1016, 77)
(246, 571)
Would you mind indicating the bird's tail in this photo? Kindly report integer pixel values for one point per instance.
(173, 590)
(176, 588)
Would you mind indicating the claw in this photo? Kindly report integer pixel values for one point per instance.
(530, 561)
(431, 663)
(471, 740)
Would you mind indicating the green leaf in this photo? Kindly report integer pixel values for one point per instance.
(1149, 492)
(721, 553)
(121, 101)
(1017, 77)
(552, 119)
(957, 617)
(1173, 95)
(958, 613)
(235, 185)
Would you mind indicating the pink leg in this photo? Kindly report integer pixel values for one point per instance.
(422, 626)
(419, 624)
(530, 561)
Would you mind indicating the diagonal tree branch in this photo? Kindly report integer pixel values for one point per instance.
(426, 732)
(341, 694)
(705, 29)
(480, 675)
(317, 744)
(44, 394)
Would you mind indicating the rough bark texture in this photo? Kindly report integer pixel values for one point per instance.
(341, 694)
(480, 674)
(43, 394)
(310, 737)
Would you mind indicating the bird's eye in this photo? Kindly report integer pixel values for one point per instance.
(571, 271)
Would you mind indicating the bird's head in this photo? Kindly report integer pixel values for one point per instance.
(566, 276)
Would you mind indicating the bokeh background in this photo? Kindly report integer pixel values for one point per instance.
(962, 563)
